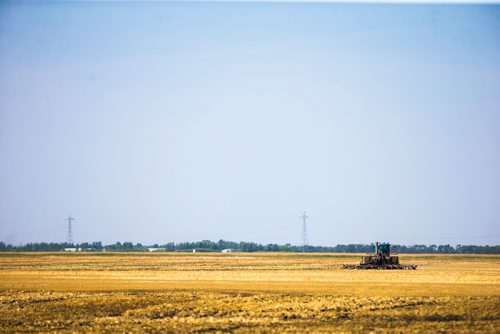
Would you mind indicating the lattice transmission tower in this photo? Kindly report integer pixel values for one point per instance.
(304, 219)
(70, 221)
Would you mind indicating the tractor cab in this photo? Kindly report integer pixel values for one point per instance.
(383, 249)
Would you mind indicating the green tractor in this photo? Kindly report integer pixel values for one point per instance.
(382, 259)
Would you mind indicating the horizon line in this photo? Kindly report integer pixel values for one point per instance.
(354, 2)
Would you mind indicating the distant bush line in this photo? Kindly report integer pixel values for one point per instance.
(211, 246)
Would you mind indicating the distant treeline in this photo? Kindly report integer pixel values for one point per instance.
(211, 246)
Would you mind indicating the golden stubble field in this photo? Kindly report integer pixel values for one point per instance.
(245, 292)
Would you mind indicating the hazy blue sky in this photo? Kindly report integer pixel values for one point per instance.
(160, 121)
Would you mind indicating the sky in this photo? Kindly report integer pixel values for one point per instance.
(167, 121)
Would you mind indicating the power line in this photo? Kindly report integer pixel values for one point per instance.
(441, 237)
(38, 231)
(219, 235)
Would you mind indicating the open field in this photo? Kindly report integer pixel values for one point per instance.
(242, 292)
